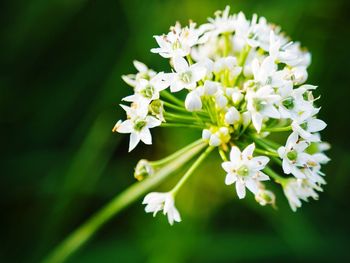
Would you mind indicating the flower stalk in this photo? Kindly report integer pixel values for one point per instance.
(83, 233)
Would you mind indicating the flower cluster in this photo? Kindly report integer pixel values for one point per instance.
(242, 81)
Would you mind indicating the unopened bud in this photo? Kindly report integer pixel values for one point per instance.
(265, 197)
(143, 169)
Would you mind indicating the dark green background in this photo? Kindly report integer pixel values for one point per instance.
(61, 62)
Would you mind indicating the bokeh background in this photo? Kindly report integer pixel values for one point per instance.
(61, 63)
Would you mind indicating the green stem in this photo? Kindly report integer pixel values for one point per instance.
(180, 116)
(261, 143)
(227, 44)
(269, 153)
(241, 62)
(83, 233)
(279, 179)
(166, 94)
(190, 171)
(278, 129)
(175, 107)
(158, 163)
(271, 143)
(223, 155)
(182, 125)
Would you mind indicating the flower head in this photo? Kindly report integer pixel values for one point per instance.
(236, 81)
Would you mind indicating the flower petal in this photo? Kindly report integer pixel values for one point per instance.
(180, 64)
(134, 140)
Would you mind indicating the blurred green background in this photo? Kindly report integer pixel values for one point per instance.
(61, 62)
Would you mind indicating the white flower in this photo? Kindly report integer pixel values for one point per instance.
(299, 75)
(186, 76)
(266, 73)
(162, 201)
(293, 156)
(148, 90)
(242, 28)
(298, 189)
(258, 34)
(306, 128)
(260, 104)
(292, 103)
(222, 23)
(143, 73)
(138, 126)
(178, 42)
(245, 170)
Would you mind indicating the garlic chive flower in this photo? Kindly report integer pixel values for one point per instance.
(245, 170)
(240, 81)
(156, 202)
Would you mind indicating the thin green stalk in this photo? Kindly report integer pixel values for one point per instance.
(183, 110)
(271, 143)
(241, 62)
(180, 116)
(278, 129)
(265, 152)
(158, 163)
(277, 160)
(166, 94)
(261, 143)
(279, 179)
(182, 125)
(223, 155)
(83, 233)
(190, 171)
(175, 107)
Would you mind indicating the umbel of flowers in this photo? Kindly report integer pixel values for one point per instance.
(244, 80)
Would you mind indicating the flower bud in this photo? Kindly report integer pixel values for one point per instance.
(232, 115)
(143, 169)
(156, 108)
(193, 101)
(221, 101)
(214, 140)
(299, 75)
(210, 87)
(236, 95)
(206, 134)
(246, 117)
(265, 197)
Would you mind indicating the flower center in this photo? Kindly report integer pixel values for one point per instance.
(139, 125)
(148, 92)
(243, 171)
(156, 106)
(292, 155)
(186, 76)
(288, 103)
(176, 45)
(259, 104)
(304, 125)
